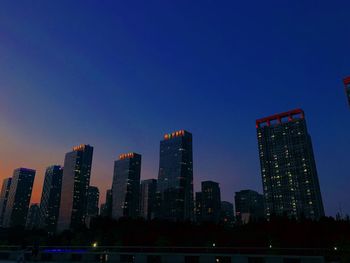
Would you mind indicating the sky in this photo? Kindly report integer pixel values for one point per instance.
(118, 75)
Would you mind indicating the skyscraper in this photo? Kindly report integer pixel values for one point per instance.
(211, 202)
(288, 169)
(175, 178)
(126, 186)
(5, 189)
(249, 206)
(148, 198)
(75, 184)
(19, 197)
(106, 208)
(92, 201)
(33, 217)
(346, 82)
(51, 198)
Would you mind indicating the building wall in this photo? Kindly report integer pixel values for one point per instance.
(19, 197)
(126, 187)
(288, 169)
(175, 178)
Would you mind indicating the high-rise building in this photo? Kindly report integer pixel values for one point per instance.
(288, 169)
(93, 201)
(51, 198)
(19, 197)
(148, 198)
(106, 208)
(5, 189)
(211, 202)
(126, 186)
(249, 206)
(75, 184)
(227, 215)
(33, 217)
(346, 82)
(175, 178)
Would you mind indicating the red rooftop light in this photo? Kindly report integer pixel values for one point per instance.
(278, 117)
(346, 80)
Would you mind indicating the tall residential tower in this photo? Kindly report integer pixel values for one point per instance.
(51, 198)
(288, 169)
(126, 186)
(75, 184)
(4, 194)
(19, 197)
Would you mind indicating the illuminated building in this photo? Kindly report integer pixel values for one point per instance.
(346, 82)
(126, 186)
(6, 183)
(51, 198)
(33, 217)
(92, 201)
(288, 169)
(249, 206)
(175, 178)
(19, 197)
(75, 184)
(210, 202)
(148, 198)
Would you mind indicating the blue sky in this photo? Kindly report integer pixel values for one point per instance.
(120, 74)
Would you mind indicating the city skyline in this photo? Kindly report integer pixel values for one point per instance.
(122, 80)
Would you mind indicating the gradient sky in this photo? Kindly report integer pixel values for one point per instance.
(120, 74)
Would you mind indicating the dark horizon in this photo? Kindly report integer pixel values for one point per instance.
(118, 77)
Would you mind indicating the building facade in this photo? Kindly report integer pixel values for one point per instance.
(211, 202)
(51, 198)
(227, 214)
(75, 184)
(249, 206)
(5, 189)
(33, 217)
(288, 169)
(198, 207)
(148, 198)
(126, 186)
(93, 201)
(19, 197)
(106, 208)
(175, 178)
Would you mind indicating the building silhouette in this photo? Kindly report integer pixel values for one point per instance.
(33, 217)
(75, 184)
(198, 207)
(5, 189)
(226, 213)
(148, 198)
(19, 197)
(249, 206)
(210, 202)
(93, 201)
(175, 178)
(346, 82)
(288, 169)
(126, 186)
(106, 207)
(51, 198)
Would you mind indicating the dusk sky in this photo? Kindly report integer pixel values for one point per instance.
(118, 75)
